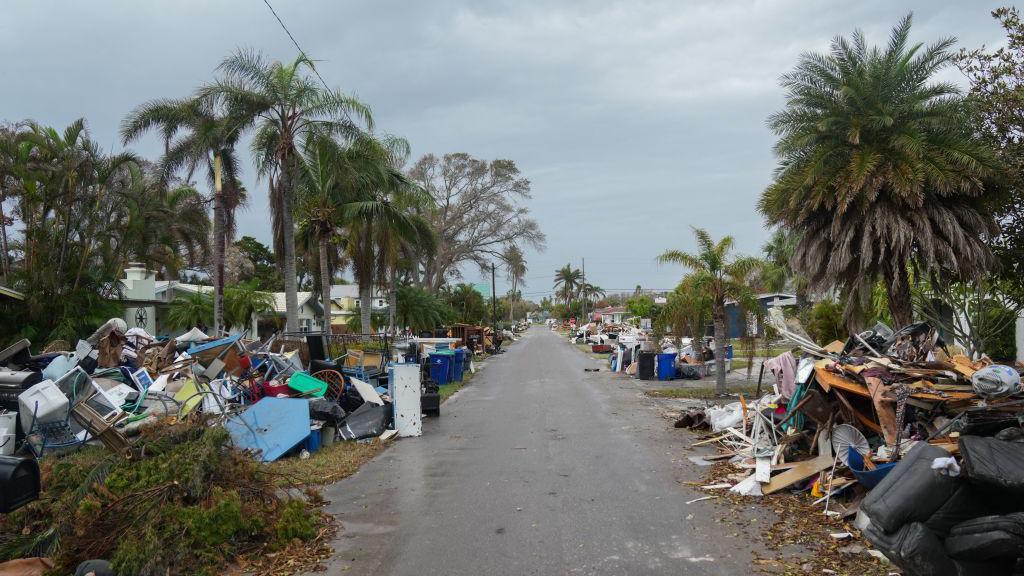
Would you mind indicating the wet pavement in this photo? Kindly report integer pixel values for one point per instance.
(536, 467)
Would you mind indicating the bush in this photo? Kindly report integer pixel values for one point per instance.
(826, 322)
(187, 503)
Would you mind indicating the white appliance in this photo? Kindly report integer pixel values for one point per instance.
(404, 388)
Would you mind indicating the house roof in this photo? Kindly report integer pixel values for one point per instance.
(351, 291)
(611, 310)
(279, 305)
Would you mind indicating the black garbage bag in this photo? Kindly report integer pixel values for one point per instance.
(326, 411)
(368, 421)
(911, 492)
(995, 466)
(988, 538)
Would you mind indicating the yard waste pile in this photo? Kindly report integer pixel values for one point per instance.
(147, 452)
(917, 445)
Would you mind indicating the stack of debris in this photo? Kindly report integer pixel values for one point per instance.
(921, 443)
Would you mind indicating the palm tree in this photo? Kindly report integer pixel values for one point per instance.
(590, 292)
(515, 267)
(244, 302)
(198, 131)
(567, 282)
(722, 277)
(879, 171)
(321, 198)
(288, 107)
(377, 220)
(189, 310)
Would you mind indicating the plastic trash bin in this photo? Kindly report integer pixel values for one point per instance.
(728, 352)
(667, 366)
(440, 364)
(460, 364)
(645, 369)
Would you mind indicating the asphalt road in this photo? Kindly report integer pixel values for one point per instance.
(537, 467)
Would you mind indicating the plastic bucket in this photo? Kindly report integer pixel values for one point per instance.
(667, 366)
(6, 442)
(440, 364)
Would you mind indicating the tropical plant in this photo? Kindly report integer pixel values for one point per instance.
(567, 283)
(467, 302)
(687, 309)
(378, 219)
(418, 309)
(193, 309)
(82, 216)
(825, 324)
(879, 171)
(288, 107)
(723, 277)
(198, 132)
(974, 314)
(515, 269)
(244, 302)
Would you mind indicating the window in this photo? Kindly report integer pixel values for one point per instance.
(380, 302)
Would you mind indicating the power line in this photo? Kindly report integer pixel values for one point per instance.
(296, 42)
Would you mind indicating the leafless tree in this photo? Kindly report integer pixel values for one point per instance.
(480, 209)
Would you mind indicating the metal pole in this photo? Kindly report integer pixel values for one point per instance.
(583, 310)
(494, 303)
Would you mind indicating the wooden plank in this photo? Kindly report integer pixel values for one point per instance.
(860, 417)
(709, 440)
(884, 408)
(801, 471)
(829, 380)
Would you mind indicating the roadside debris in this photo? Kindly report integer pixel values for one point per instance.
(922, 445)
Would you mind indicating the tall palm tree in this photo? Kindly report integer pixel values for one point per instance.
(515, 268)
(244, 302)
(567, 282)
(878, 170)
(198, 132)
(589, 292)
(288, 107)
(723, 277)
(378, 220)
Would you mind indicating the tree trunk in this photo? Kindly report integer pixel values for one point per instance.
(393, 303)
(291, 298)
(897, 286)
(365, 302)
(218, 249)
(512, 302)
(325, 283)
(5, 267)
(720, 344)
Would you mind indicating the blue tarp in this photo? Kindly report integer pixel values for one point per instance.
(271, 426)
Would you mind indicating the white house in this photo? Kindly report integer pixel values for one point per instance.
(345, 302)
(148, 302)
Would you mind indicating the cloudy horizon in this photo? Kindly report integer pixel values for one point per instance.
(633, 121)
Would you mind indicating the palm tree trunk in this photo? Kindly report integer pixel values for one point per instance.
(218, 248)
(393, 303)
(325, 283)
(720, 344)
(5, 265)
(512, 301)
(897, 286)
(291, 288)
(365, 302)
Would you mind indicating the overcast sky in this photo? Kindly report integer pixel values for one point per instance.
(633, 120)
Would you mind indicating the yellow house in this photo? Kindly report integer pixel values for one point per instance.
(345, 303)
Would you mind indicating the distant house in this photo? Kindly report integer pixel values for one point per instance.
(148, 302)
(345, 303)
(611, 314)
(737, 326)
(10, 294)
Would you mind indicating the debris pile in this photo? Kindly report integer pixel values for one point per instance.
(918, 445)
(127, 441)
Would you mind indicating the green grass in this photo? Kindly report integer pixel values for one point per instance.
(703, 392)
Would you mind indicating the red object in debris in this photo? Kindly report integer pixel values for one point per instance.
(275, 388)
(601, 348)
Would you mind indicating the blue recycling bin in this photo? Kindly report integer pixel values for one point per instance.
(440, 364)
(666, 366)
(728, 352)
(460, 363)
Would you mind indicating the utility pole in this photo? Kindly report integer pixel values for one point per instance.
(494, 310)
(585, 319)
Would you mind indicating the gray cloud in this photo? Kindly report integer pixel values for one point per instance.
(633, 120)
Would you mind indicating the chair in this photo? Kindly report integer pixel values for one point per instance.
(335, 383)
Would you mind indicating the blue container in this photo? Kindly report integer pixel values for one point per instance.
(312, 442)
(666, 366)
(868, 478)
(440, 364)
(728, 352)
(460, 364)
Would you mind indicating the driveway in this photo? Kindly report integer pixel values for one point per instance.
(537, 467)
